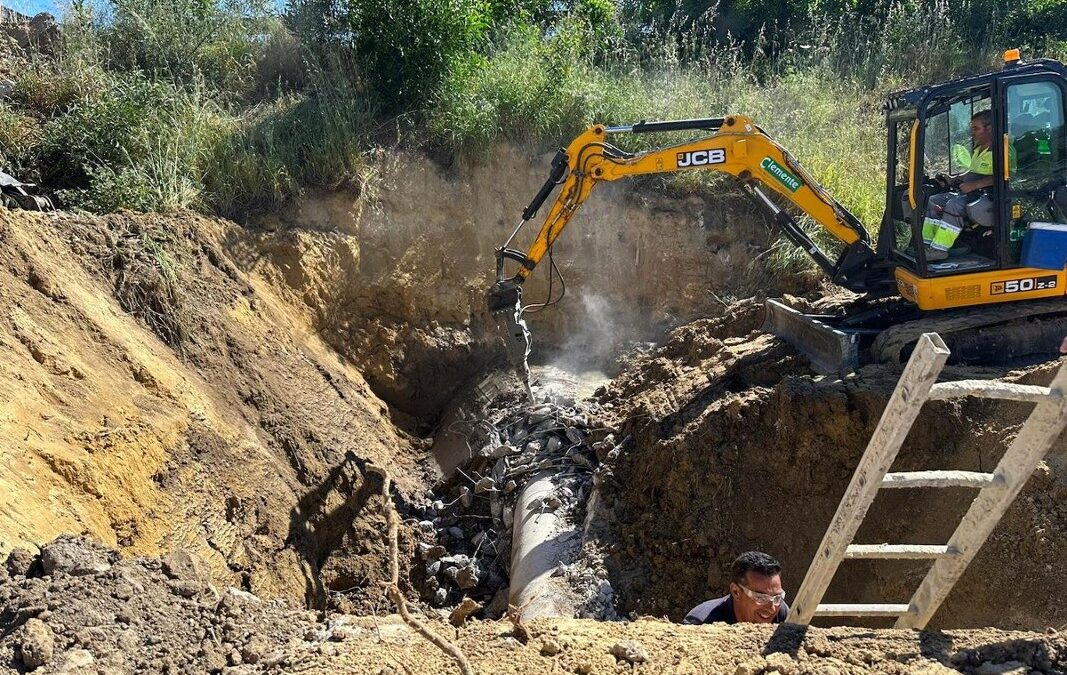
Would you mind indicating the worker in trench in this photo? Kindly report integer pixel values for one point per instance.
(756, 594)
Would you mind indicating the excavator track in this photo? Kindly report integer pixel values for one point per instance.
(980, 335)
(986, 335)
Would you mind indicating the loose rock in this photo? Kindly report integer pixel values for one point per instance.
(184, 565)
(75, 555)
(630, 651)
(19, 562)
(38, 644)
(550, 646)
(459, 615)
(467, 577)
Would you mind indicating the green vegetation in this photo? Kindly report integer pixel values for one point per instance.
(226, 107)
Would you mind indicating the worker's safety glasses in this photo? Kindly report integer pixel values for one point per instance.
(763, 598)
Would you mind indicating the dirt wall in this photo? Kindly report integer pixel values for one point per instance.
(154, 396)
(397, 275)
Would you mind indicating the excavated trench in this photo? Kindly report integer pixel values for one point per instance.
(726, 440)
(251, 376)
(397, 277)
(736, 445)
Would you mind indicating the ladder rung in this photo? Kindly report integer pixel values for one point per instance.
(917, 479)
(861, 610)
(898, 551)
(993, 389)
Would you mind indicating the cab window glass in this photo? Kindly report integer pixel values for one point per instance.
(1036, 130)
(948, 136)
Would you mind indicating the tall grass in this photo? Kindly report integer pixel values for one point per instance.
(274, 151)
(528, 93)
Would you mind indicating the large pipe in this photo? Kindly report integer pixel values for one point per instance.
(540, 542)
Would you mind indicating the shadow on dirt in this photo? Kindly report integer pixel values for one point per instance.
(317, 526)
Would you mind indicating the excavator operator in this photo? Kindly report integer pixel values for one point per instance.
(965, 198)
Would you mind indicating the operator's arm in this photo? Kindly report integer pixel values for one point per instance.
(738, 147)
(971, 185)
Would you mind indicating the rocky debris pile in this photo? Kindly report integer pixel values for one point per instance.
(467, 530)
(588, 576)
(77, 608)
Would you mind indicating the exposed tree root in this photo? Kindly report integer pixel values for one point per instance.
(393, 585)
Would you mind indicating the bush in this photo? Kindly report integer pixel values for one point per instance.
(186, 40)
(315, 140)
(117, 140)
(402, 48)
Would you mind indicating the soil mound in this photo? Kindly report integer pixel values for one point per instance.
(733, 444)
(79, 608)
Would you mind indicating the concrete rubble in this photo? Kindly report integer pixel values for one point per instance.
(467, 529)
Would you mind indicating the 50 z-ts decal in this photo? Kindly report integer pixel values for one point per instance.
(1023, 285)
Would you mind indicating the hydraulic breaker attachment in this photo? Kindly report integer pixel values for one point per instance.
(831, 351)
(505, 303)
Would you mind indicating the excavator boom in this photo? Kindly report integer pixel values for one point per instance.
(735, 146)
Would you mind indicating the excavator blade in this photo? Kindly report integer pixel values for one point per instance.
(831, 351)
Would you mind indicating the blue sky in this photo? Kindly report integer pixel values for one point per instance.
(32, 7)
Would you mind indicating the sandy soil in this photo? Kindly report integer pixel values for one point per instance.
(154, 396)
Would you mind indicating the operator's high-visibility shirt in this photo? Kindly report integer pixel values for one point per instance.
(982, 160)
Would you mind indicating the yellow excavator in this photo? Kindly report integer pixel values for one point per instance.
(997, 295)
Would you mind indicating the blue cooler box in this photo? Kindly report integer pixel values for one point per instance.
(1045, 246)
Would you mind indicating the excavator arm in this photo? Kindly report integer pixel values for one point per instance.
(736, 146)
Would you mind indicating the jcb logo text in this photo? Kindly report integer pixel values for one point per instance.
(1023, 285)
(701, 158)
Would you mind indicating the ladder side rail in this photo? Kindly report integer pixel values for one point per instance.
(938, 479)
(904, 405)
(1009, 391)
(1033, 441)
(863, 609)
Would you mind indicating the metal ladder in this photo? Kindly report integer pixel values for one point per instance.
(996, 490)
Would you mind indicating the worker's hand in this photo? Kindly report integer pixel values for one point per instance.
(969, 186)
(943, 181)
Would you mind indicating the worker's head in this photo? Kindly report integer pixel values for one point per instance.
(982, 128)
(756, 587)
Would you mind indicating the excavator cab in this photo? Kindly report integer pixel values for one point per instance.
(929, 136)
